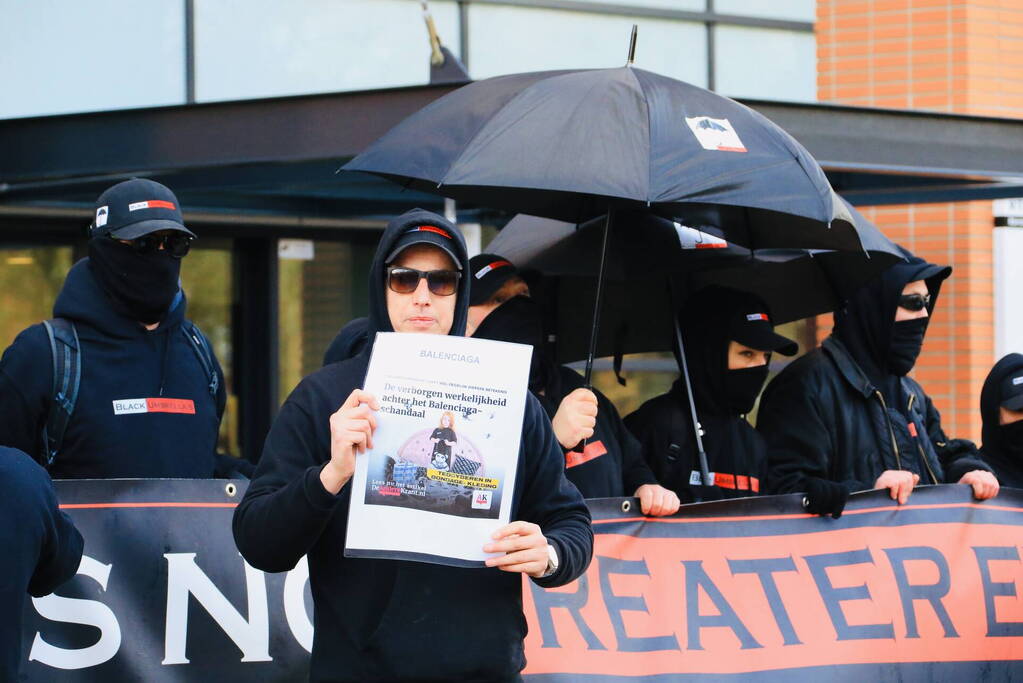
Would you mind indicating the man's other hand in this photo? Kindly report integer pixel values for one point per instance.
(525, 549)
(351, 432)
(984, 484)
(576, 417)
(657, 501)
(899, 483)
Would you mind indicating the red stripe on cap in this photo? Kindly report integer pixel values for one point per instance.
(498, 264)
(434, 228)
(160, 204)
(711, 245)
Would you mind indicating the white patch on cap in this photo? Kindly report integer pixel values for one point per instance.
(691, 238)
(138, 205)
(757, 316)
(1016, 381)
(101, 216)
(715, 134)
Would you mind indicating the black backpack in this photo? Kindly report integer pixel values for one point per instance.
(67, 376)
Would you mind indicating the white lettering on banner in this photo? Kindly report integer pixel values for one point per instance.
(294, 605)
(78, 611)
(130, 406)
(184, 578)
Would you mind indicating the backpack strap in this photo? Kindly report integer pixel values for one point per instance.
(67, 375)
(198, 342)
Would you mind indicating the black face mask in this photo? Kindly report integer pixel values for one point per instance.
(519, 320)
(142, 286)
(743, 386)
(907, 339)
(1012, 438)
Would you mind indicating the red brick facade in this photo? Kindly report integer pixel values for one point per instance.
(940, 55)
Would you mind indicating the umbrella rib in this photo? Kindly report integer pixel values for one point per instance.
(649, 134)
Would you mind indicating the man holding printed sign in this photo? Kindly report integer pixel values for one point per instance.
(379, 619)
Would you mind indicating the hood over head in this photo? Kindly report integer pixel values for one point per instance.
(1000, 388)
(396, 232)
(349, 341)
(866, 325)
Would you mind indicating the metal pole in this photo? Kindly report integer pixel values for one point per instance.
(684, 366)
(608, 220)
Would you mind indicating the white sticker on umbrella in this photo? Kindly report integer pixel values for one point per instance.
(716, 134)
(691, 238)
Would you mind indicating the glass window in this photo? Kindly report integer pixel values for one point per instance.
(59, 56)
(765, 63)
(792, 10)
(265, 48)
(317, 297)
(30, 279)
(541, 39)
(687, 5)
(206, 276)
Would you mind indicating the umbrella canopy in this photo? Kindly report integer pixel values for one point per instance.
(573, 145)
(651, 262)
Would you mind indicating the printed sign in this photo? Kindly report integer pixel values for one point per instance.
(716, 134)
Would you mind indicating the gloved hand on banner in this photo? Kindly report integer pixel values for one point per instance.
(825, 497)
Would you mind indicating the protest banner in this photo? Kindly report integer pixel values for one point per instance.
(736, 590)
(438, 480)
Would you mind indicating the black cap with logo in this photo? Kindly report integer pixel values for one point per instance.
(425, 234)
(136, 207)
(488, 272)
(1012, 391)
(752, 326)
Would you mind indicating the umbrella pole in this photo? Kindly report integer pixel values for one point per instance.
(684, 366)
(608, 219)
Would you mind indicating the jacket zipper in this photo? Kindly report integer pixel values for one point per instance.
(891, 431)
(923, 456)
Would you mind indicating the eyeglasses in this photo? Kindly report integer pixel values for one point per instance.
(405, 280)
(177, 244)
(914, 302)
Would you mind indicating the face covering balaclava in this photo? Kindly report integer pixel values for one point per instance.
(142, 286)
(1012, 438)
(1005, 440)
(907, 340)
(743, 386)
(519, 320)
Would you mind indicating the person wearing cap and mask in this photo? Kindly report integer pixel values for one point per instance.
(610, 464)
(151, 392)
(392, 619)
(1001, 408)
(846, 417)
(729, 340)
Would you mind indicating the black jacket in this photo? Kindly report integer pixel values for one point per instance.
(822, 417)
(1005, 459)
(120, 360)
(41, 548)
(391, 619)
(611, 464)
(736, 453)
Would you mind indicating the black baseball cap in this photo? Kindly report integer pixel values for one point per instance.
(1012, 390)
(488, 272)
(135, 208)
(425, 234)
(751, 326)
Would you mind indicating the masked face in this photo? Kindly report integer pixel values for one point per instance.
(142, 286)
(516, 320)
(907, 340)
(743, 386)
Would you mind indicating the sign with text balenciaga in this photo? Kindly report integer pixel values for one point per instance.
(722, 591)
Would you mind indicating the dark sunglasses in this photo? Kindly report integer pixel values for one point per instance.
(914, 302)
(175, 244)
(405, 280)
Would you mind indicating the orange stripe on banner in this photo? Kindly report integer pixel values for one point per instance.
(591, 451)
(893, 507)
(92, 506)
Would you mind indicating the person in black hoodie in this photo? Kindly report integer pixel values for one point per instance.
(41, 548)
(390, 619)
(148, 405)
(349, 341)
(610, 464)
(729, 340)
(1001, 408)
(846, 417)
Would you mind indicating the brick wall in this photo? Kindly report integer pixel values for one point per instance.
(964, 57)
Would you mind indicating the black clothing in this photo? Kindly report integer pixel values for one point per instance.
(520, 321)
(736, 454)
(140, 286)
(611, 464)
(1003, 444)
(144, 407)
(743, 386)
(907, 341)
(349, 341)
(392, 619)
(443, 435)
(41, 548)
(822, 417)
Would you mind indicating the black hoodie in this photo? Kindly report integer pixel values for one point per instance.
(349, 341)
(840, 413)
(108, 435)
(664, 424)
(1000, 455)
(41, 548)
(392, 619)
